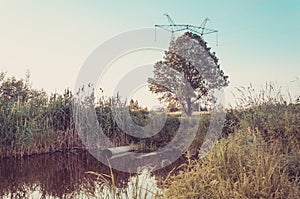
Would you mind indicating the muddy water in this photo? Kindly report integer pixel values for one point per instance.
(64, 175)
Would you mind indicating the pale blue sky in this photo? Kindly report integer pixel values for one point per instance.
(258, 40)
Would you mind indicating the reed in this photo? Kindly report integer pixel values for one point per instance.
(258, 157)
(31, 122)
(140, 186)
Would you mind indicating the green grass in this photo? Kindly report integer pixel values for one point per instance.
(258, 157)
(32, 122)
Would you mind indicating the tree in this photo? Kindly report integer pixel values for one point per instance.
(188, 73)
(172, 107)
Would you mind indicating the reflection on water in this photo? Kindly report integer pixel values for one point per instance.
(64, 175)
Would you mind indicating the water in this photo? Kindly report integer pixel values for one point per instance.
(66, 175)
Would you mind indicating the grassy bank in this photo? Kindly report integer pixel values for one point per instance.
(260, 159)
(257, 157)
(33, 122)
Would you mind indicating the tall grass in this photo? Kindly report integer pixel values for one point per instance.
(258, 157)
(31, 122)
(276, 117)
(240, 166)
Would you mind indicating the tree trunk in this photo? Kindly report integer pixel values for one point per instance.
(189, 106)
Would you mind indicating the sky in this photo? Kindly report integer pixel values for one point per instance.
(258, 40)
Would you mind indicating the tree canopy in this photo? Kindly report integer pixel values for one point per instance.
(188, 73)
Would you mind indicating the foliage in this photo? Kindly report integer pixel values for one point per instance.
(188, 74)
(31, 122)
(140, 117)
(258, 157)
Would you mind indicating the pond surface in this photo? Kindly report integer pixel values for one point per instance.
(68, 175)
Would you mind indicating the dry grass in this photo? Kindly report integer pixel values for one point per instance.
(240, 166)
(259, 158)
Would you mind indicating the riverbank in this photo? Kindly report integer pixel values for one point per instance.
(257, 156)
(259, 159)
(33, 122)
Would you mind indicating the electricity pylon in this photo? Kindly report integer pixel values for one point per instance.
(172, 27)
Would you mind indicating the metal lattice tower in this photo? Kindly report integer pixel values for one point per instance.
(172, 27)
